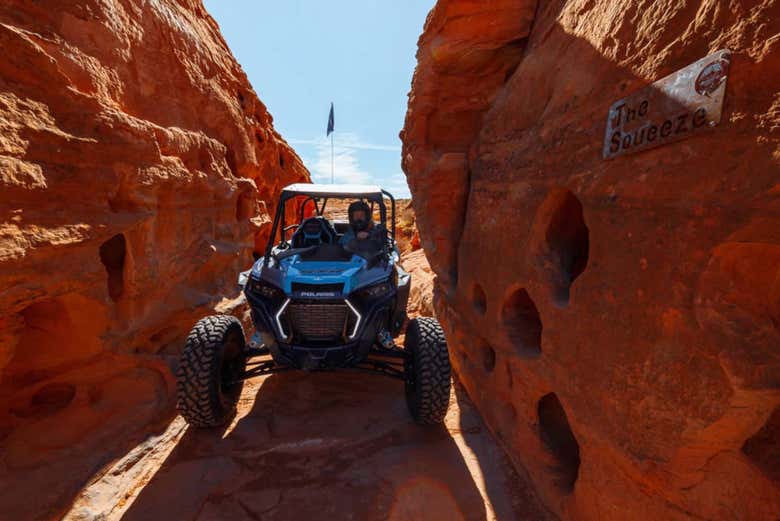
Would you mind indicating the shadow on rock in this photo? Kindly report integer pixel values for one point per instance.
(323, 445)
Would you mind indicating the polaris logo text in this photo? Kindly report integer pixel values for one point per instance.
(318, 293)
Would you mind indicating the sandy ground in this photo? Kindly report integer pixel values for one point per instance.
(316, 446)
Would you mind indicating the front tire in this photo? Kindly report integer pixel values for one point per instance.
(211, 365)
(427, 371)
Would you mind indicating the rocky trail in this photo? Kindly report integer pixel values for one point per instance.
(316, 446)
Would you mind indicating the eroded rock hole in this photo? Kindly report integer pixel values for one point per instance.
(559, 439)
(112, 255)
(479, 299)
(47, 401)
(488, 357)
(281, 160)
(763, 448)
(568, 243)
(522, 323)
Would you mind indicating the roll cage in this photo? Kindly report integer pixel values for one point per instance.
(319, 195)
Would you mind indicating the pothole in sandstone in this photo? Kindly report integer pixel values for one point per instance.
(559, 439)
(112, 255)
(522, 323)
(763, 448)
(561, 242)
(479, 299)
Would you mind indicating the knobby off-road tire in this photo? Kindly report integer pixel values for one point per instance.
(211, 365)
(427, 371)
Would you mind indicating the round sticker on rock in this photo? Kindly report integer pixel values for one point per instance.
(711, 77)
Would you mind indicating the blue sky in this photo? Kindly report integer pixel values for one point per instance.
(302, 54)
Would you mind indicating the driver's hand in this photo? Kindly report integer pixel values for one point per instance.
(362, 235)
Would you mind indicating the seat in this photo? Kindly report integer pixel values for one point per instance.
(313, 231)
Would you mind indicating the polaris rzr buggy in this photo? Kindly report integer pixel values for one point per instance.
(327, 298)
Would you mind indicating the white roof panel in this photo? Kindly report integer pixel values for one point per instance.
(324, 190)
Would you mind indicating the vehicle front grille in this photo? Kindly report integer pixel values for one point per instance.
(318, 322)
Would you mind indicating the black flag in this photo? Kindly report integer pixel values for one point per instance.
(331, 121)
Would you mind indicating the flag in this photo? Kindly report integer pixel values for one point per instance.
(331, 121)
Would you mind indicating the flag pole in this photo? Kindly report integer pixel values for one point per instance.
(332, 130)
(332, 161)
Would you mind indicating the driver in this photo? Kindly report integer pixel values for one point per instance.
(361, 226)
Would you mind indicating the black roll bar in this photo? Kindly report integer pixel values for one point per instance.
(392, 201)
(280, 215)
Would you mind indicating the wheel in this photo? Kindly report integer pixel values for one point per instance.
(211, 365)
(427, 371)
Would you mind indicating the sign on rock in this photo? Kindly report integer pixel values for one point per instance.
(678, 106)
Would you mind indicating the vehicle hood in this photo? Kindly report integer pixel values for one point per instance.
(291, 272)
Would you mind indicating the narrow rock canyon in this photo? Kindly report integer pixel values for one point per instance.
(614, 320)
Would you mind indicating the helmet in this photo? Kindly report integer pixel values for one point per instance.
(361, 224)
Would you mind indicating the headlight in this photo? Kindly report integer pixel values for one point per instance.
(264, 289)
(377, 290)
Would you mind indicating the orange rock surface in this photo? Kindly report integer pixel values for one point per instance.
(317, 446)
(421, 292)
(137, 169)
(616, 322)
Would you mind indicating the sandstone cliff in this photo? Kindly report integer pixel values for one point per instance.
(616, 322)
(137, 167)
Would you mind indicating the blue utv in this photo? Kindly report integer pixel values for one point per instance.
(332, 296)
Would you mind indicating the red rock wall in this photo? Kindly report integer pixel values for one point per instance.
(137, 167)
(616, 322)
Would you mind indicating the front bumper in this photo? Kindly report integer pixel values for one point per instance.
(350, 350)
(320, 358)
